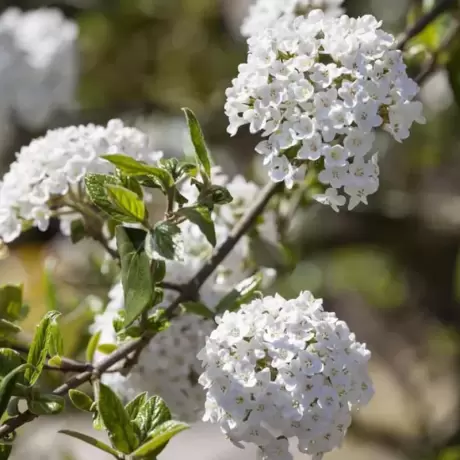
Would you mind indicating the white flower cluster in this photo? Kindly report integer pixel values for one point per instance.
(169, 366)
(264, 14)
(39, 182)
(317, 88)
(38, 64)
(280, 369)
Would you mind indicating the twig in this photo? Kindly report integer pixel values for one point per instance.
(171, 286)
(440, 8)
(222, 251)
(67, 364)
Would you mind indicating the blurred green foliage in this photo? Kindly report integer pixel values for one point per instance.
(174, 53)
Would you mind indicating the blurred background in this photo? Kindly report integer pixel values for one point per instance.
(391, 269)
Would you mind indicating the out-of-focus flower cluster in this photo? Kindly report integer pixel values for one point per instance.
(264, 14)
(238, 264)
(38, 65)
(279, 369)
(317, 88)
(169, 366)
(46, 178)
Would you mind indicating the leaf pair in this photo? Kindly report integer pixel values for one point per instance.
(118, 202)
(47, 341)
(141, 429)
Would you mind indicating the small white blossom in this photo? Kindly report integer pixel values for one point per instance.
(298, 375)
(264, 14)
(317, 88)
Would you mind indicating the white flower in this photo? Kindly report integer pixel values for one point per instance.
(50, 167)
(298, 375)
(264, 14)
(317, 88)
(43, 69)
(278, 449)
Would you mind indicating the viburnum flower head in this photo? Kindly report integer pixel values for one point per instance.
(264, 14)
(317, 88)
(48, 174)
(279, 369)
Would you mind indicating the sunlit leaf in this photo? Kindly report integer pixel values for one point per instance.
(136, 275)
(116, 420)
(202, 154)
(39, 348)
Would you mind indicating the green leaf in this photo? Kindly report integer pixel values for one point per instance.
(242, 293)
(77, 230)
(200, 216)
(97, 192)
(55, 361)
(158, 270)
(159, 437)
(11, 302)
(214, 194)
(165, 240)
(89, 440)
(47, 405)
(176, 168)
(157, 322)
(9, 360)
(132, 167)
(8, 328)
(39, 348)
(198, 308)
(132, 184)
(116, 420)
(136, 276)
(134, 406)
(203, 157)
(107, 348)
(92, 346)
(81, 400)
(56, 343)
(153, 413)
(50, 291)
(5, 451)
(7, 385)
(127, 202)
